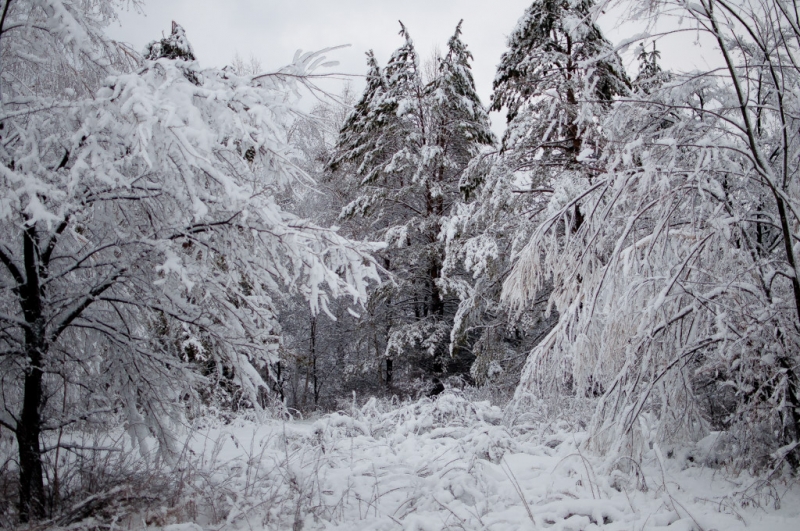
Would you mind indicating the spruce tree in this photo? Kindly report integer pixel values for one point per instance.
(557, 76)
(651, 76)
(460, 120)
(358, 138)
(556, 81)
(176, 46)
(404, 148)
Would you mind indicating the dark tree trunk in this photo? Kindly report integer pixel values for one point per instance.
(436, 302)
(31, 485)
(313, 352)
(279, 381)
(29, 426)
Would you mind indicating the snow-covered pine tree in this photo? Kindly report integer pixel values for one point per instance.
(407, 143)
(462, 130)
(136, 208)
(176, 46)
(359, 138)
(459, 119)
(557, 77)
(651, 75)
(557, 80)
(379, 140)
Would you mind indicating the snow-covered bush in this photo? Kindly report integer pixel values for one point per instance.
(438, 464)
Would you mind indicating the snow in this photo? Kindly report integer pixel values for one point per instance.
(452, 463)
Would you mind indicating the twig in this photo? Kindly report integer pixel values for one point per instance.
(510, 475)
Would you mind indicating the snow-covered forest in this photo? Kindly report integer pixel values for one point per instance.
(225, 307)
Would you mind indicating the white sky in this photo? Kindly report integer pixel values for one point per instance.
(272, 30)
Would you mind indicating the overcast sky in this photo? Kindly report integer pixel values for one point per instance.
(272, 30)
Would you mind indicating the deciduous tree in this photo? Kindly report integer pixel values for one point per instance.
(140, 238)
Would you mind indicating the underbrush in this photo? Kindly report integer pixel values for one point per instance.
(94, 481)
(432, 464)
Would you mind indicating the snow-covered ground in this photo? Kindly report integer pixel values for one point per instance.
(452, 463)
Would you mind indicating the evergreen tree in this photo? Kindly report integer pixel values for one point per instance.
(558, 75)
(460, 121)
(650, 76)
(556, 81)
(176, 46)
(406, 144)
(359, 137)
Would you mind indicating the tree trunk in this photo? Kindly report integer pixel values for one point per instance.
(31, 485)
(29, 426)
(313, 353)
